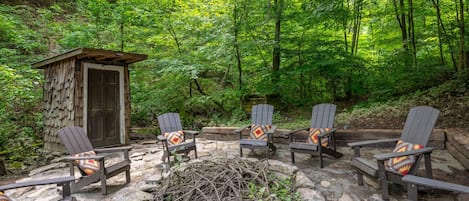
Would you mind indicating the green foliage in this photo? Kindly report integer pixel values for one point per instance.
(205, 57)
(19, 112)
(282, 190)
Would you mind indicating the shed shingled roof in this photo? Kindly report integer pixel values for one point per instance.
(92, 53)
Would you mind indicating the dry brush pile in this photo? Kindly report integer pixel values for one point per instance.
(225, 179)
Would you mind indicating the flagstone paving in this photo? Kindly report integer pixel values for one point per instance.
(336, 181)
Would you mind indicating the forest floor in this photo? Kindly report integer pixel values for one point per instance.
(452, 102)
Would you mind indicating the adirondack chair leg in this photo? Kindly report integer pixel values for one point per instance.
(320, 152)
(360, 178)
(195, 152)
(320, 158)
(292, 157)
(102, 177)
(240, 151)
(412, 192)
(66, 190)
(383, 180)
(169, 160)
(428, 166)
(127, 176)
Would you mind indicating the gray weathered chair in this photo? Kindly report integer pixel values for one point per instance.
(64, 182)
(413, 182)
(75, 142)
(322, 118)
(261, 116)
(417, 130)
(170, 122)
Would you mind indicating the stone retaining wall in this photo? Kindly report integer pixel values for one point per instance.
(458, 145)
(343, 137)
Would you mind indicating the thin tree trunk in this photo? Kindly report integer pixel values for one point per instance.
(122, 35)
(447, 39)
(236, 47)
(344, 25)
(276, 52)
(436, 4)
(412, 33)
(400, 16)
(462, 52)
(356, 26)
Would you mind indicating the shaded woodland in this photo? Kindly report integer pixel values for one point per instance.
(208, 59)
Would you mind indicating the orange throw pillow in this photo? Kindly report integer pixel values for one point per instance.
(89, 166)
(403, 164)
(259, 132)
(314, 135)
(174, 137)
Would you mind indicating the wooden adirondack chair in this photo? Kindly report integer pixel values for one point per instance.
(76, 142)
(414, 181)
(322, 118)
(261, 129)
(417, 130)
(64, 182)
(170, 123)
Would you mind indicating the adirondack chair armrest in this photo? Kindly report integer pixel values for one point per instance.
(327, 132)
(60, 180)
(113, 149)
(161, 138)
(239, 130)
(97, 157)
(385, 156)
(272, 130)
(371, 142)
(191, 133)
(432, 183)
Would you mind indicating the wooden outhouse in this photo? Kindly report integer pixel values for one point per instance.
(89, 88)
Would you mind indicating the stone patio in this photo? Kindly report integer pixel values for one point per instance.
(336, 181)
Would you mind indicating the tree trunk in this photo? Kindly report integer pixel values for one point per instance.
(236, 47)
(3, 169)
(446, 36)
(276, 52)
(122, 35)
(356, 26)
(462, 52)
(412, 33)
(436, 4)
(400, 16)
(344, 25)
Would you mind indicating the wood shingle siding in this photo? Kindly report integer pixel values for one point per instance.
(64, 93)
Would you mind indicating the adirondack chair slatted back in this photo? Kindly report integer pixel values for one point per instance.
(419, 125)
(323, 115)
(262, 114)
(75, 140)
(169, 122)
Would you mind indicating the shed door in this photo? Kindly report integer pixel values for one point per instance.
(103, 125)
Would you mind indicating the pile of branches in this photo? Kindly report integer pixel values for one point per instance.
(223, 179)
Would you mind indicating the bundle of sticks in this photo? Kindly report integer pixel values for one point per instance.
(221, 179)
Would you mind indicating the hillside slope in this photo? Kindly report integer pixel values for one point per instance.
(451, 98)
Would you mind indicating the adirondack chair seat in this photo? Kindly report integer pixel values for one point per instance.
(302, 146)
(76, 141)
(64, 182)
(182, 147)
(249, 142)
